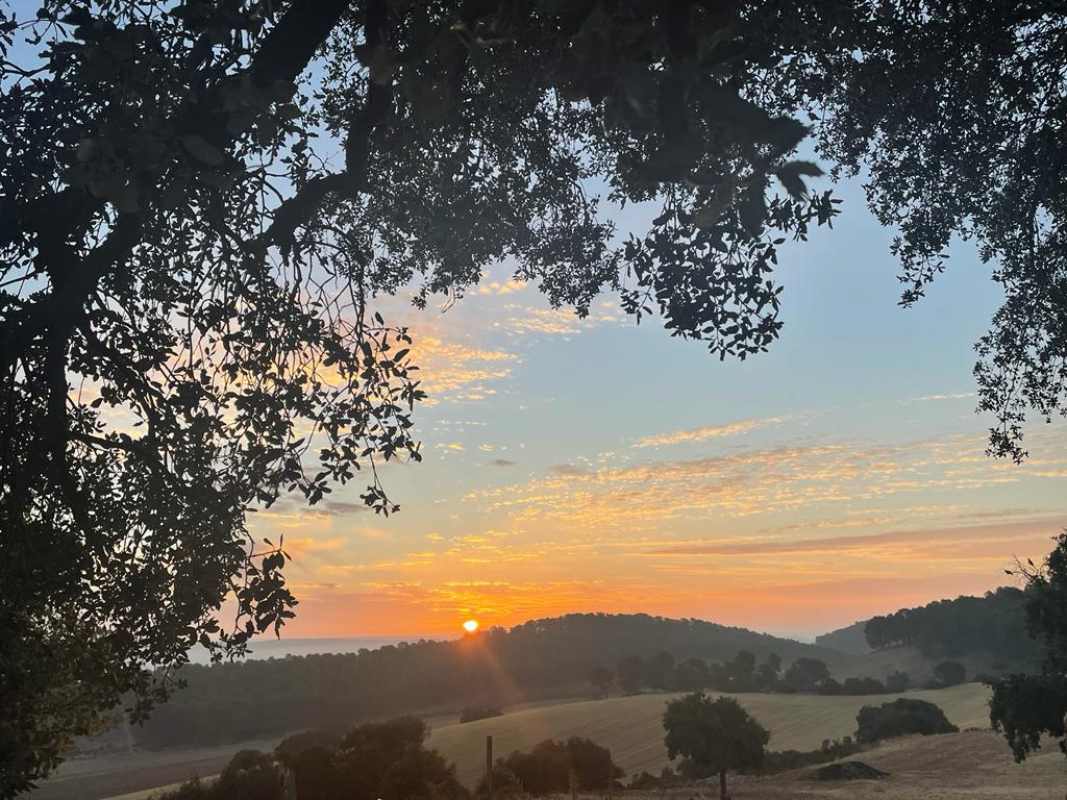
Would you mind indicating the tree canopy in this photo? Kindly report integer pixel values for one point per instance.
(713, 736)
(1027, 706)
(188, 276)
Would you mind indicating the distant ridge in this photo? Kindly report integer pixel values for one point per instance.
(851, 639)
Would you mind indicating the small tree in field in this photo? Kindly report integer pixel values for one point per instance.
(714, 736)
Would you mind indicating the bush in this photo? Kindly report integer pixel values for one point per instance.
(388, 760)
(505, 782)
(898, 681)
(290, 748)
(190, 790)
(950, 673)
(473, 713)
(547, 768)
(250, 775)
(831, 750)
(899, 718)
(863, 686)
(646, 780)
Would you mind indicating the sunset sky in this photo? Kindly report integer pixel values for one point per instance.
(591, 465)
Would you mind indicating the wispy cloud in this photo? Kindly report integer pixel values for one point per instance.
(938, 397)
(707, 432)
(456, 371)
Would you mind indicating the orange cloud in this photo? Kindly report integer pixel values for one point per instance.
(708, 432)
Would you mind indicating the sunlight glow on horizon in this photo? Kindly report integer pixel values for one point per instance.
(471, 626)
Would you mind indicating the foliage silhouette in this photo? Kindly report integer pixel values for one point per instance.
(900, 718)
(713, 737)
(185, 283)
(994, 623)
(549, 766)
(1027, 706)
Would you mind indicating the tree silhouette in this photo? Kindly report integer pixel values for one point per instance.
(714, 736)
(805, 674)
(630, 672)
(186, 328)
(1026, 707)
(602, 678)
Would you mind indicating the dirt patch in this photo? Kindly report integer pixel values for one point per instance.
(848, 771)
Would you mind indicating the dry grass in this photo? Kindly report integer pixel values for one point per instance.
(631, 727)
(973, 765)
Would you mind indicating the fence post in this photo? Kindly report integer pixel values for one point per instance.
(489, 766)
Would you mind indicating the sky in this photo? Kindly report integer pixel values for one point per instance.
(596, 465)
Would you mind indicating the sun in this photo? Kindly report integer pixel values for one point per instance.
(470, 626)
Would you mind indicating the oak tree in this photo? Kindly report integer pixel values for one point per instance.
(200, 201)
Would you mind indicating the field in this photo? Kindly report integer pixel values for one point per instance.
(972, 764)
(632, 726)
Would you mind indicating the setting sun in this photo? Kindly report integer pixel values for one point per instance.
(470, 626)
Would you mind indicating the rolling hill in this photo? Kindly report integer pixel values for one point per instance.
(631, 727)
(851, 639)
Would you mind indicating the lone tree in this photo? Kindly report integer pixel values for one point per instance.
(187, 275)
(713, 736)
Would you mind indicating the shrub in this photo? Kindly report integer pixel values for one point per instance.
(250, 775)
(547, 768)
(316, 774)
(190, 790)
(899, 718)
(829, 687)
(898, 681)
(646, 780)
(505, 782)
(388, 760)
(863, 686)
(290, 748)
(950, 673)
(805, 675)
(473, 713)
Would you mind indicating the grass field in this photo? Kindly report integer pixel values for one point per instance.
(973, 765)
(631, 727)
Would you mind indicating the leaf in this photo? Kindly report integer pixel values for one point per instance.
(707, 216)
(790, 172)
(202, 150)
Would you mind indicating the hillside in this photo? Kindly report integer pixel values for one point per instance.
(851, 639)
(632, 726)
(547, 658)
(958, 766)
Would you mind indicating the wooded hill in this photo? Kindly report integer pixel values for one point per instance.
(991, 626)
(538, 659)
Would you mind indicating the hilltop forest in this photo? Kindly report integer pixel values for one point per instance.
(992, 625)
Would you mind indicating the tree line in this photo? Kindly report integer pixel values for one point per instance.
(742, 673)
(994, 623)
